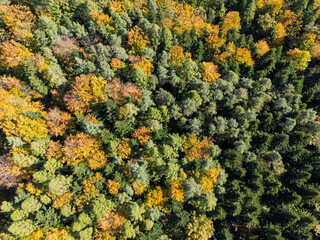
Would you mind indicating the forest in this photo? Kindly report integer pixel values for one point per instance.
(159, 119)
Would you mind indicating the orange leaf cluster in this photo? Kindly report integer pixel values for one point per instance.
(103, 19)
(142, 134)
(112, 222)
(301, 58)
(116, 63)
(280, 34)
(13, 54)
(291, 21)
(85, 91)
(208, 180)
(273, 6)
(196, 149)
(59, 202)
(119, 91)
(138, 188)
(82, 147)
(13, 120)
(214, 42)
(54, 150)
(210, 72)
(59, 121)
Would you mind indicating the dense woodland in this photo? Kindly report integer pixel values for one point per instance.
(159, 119)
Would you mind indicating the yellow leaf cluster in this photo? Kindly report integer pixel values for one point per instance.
(138, 188)
(262, 47)
(177, 191)
(19, 20)
(103, 19)
(177, 56)
(155, 198)
(138, 40)
(243, 55)
(60, 201)
(113, 187)
(301, 58)
(273, 6)
(85, 91)
(82, 147)
(210, 72)
(230, 20)
(124, 149)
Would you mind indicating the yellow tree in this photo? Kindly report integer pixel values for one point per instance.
(243, 55)
(210, 74)
(138, 40)
(13, 54)
(230, 20)
(177, 56)
(196, 149)
(301, 58)
(262, 47)
(19, 20)
(85, 92)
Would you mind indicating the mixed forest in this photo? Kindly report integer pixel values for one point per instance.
(159, 119)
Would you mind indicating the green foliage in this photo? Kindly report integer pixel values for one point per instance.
(60, 185)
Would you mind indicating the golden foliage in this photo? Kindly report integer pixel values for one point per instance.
(138, 188)
(315, 52)
(82, 147)
(112, 222)
(243, 55)
(119, 91)
(262, 47)
(210, 72)
(196, 149)
(116, 63)
(272, 6)
(59, 202)
(54, 150)
(177, 56)
(155, 198)
(229, 21)
(280, 34)
(59, 121)
(85, 91)
(103, 19)
(177, 191)
(13, 120)
(19, 20)
(141, 62)
(33, 190)
(124, 149)
(138, 40)
(291, 22)
(214, 42)
(301, 58)
(208, 179)
(113, 187)
(13, 54)
(117, 5)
